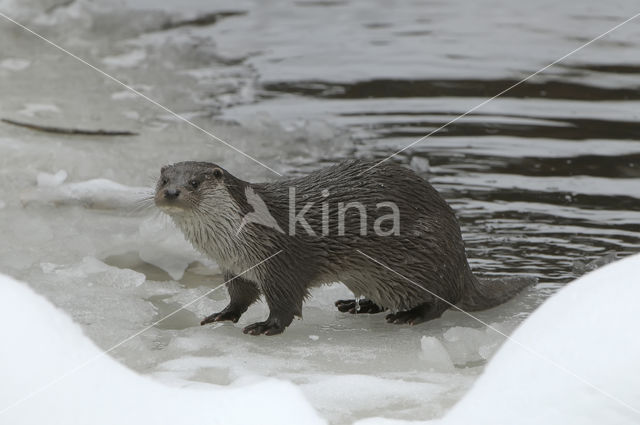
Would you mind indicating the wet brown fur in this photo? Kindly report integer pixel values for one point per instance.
(427, 256)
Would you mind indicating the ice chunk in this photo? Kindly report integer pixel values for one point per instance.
(164, 246)
(346, 396)
(132, 115)
(123, 94)
(15, 64)
(99, 272)
(96, 193)
(580, 268)
(434, 355)
(51, 180)
(126, 60)
(73, 377)
(419, 164)
(469, 345)
(33, 109)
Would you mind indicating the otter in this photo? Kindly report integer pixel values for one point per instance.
(342, 223)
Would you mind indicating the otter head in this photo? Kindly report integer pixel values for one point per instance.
(186, 187)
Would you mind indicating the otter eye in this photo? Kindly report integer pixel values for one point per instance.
(217, 173)
(194, 183)
(164, 181)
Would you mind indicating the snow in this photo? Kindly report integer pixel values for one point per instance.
(96, 193)
(124, 94)
(50, 180)
(52, 373)
(35, 109)
(434, 355)
(419, 164)
(357, 393)
(14, 64)
(126, 60)
(573, 361)
(92, 268)
(467, 345)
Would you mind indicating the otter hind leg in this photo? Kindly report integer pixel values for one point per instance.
(419, 314)
(242, 292)
(359, 307)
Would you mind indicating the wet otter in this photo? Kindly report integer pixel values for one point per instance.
(326, 227)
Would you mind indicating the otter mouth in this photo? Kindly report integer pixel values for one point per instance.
(173, 207)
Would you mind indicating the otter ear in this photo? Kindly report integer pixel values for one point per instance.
(163, 169)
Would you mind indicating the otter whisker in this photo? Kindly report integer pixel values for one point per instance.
(143, 204)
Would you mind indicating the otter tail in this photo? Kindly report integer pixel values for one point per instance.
(482, 294)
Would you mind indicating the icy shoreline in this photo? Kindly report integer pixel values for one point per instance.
(582, 370)
(53, 373)
(573, 361)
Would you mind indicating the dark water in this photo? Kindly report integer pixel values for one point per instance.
(530, 208)
(543, 178)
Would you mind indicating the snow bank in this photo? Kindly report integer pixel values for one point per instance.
(589, 328)
(42, 344)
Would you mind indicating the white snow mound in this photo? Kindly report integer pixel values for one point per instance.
(44, 380)
(580, 365)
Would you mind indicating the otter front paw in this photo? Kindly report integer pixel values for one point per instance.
(269, 327)
(221, 316)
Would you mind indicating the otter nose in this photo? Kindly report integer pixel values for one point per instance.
(171, 194)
